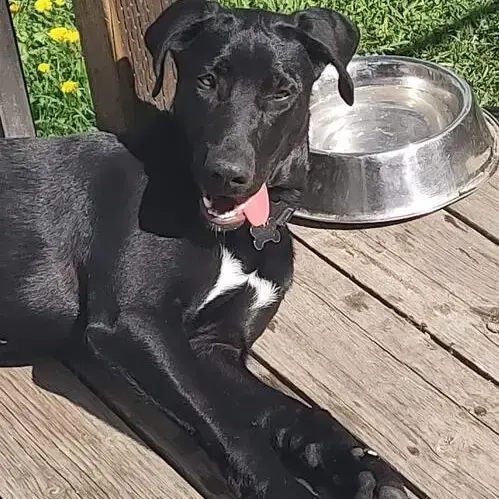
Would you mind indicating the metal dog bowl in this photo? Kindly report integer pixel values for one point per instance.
(414, 141)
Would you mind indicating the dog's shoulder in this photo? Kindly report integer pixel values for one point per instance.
(48, 155)
(21, 149)
(79, 159)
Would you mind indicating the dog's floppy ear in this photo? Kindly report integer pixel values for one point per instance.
(174, 29)
(329, 37)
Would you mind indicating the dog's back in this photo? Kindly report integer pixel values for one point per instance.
(49, 191)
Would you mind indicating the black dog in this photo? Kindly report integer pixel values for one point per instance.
(162, 258)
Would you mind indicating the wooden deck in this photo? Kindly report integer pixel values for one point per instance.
(395, 330)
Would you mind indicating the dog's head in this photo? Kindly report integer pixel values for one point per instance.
(244, 83)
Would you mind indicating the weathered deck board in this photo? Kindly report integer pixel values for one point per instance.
(437, 271)
(415, 349)
(355, 356)
(482, 208)
(51, 447)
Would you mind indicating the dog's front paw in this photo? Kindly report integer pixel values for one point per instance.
(254, 470)
(318, 449)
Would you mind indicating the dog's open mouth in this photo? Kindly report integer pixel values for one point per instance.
(230, 213)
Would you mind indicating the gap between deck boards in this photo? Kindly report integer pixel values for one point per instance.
(434, 272)
(480, 210)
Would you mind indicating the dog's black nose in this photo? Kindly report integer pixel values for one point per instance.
(229, 167)
(229, 174)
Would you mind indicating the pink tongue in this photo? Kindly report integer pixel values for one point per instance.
(257, 207)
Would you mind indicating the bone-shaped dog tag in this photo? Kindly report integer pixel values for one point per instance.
(280, 213)
(264, 234)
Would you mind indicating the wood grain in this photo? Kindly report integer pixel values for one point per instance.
(415, 349)
(339, 346)
(15, 112)
(481, 209)
(437, 271)
(72, 446)
(118, 64)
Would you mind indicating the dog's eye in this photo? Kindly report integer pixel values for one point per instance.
(282, 95)
(206, 81)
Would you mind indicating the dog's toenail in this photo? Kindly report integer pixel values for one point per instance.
(387, 492)
(307, 486)
(371, 452)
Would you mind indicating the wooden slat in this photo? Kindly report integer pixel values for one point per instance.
(71, 446)
(437, 271)
(101, 63)
(15, 113)
(481, 209)
(354, 356)
(118, 64)
(415, 349)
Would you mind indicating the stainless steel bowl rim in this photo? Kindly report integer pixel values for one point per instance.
(466, 90)
(489, 168)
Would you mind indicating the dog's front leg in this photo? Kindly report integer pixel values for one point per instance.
(308, 440)
(158, 360)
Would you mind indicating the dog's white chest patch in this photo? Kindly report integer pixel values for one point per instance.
(232, 276)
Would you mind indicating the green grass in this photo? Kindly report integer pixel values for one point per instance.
(462, 34)
(54, 112)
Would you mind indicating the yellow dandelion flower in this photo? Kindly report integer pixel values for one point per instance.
(69, 87)
(44, 67)
(58, 34)
(14, 7)
(43, 5)
(62, 34)
(72, 36)
(60, 3)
